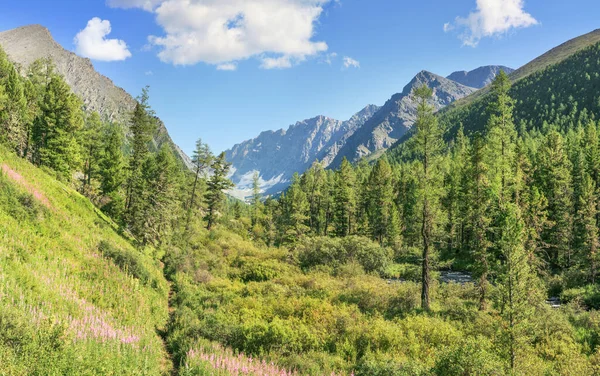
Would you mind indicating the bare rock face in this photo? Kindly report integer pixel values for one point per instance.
(397, 116)
(480, 77)
(27, 44)
(277, 155)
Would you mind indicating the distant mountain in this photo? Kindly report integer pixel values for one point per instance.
(479, 77)
(396, 117)
(277, 155)
(26, 44)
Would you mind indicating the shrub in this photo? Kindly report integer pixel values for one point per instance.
(126, 260)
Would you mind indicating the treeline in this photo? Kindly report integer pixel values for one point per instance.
(146, 191)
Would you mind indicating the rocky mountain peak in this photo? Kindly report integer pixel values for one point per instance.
(27, 44)
(480, 77)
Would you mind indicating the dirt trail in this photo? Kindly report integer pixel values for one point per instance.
(15, 176)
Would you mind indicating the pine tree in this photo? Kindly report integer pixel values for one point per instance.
(142, 126)
(383, 220)
(257, 206)
(501, 137)
(428, 145)
(554, 180)
(294, 209)
(313, 184)
(518, 285)
(585, 227)
(112, 162)
(215, 187)
(344, 199)
(91, 139)
(55, 129)
(162, 180)
(202, 159)
(13, 125)
(478, 199)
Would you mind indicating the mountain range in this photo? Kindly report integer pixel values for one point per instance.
(277, 155)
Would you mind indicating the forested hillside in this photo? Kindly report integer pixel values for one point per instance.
(473, 252)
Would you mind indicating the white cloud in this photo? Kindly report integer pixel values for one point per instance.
(330, 57)
(276, 62)
(448, 27)
(91, 42)
(148, 5)
(492, 18)
(351, 63)
(149, 73)
(227, 66)
(224, 31)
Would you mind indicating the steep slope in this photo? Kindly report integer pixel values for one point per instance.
(277, 155)
(396, 117)
(75, 296)
(27, 44)
(480, 77)
(562, 94)
(552, 57)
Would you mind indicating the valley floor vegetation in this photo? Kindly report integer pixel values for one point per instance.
(116, 259)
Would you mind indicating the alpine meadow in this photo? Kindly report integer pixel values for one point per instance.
(454, 230)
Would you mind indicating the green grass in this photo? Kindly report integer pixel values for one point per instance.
(75, 296)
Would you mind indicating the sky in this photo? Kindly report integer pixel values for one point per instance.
(226, 70)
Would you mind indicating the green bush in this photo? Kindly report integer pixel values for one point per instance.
(127, 261)
(317, 251)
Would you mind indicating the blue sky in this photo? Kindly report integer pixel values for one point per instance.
(288, 55)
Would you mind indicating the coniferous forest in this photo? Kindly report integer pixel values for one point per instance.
(115, 258)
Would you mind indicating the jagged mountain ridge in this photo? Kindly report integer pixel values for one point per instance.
(397, 115)
(276, 155)
(26, 44)
(479, 77)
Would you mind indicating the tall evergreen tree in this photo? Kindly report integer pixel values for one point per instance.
(202, 159)
(383, 220)
(215, 187)
(518, 286)
(344, 199)
(142, 126)
(478, 199)
(501, 137)
(428, 145)
(91, 141)
(55, 129)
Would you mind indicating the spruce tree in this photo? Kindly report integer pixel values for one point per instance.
(112, 171)
(344, 199)
(383, 220)
(518, 285)
(478, 201)
(91, 139)
(202, 159)
(55, 129)
(428, 143)
(215, 187)
(501, 137)
(142, 126)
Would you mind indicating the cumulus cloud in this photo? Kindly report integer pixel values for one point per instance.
(350, 63)
(91, 42)
(227, 66)
(492, 18)
(278, 32)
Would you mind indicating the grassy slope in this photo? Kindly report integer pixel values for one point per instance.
(64, 307)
